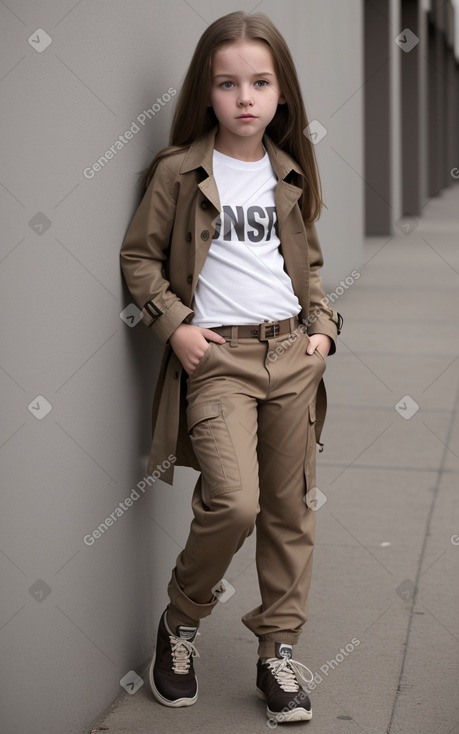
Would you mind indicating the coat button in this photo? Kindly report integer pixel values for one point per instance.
(204, 204)
(189, 237)
(176, 375)
(189, 279)
(205, 234)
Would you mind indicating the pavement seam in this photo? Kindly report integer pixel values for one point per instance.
(441, 472)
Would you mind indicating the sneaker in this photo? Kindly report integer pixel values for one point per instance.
(172, 678)
(280, 682)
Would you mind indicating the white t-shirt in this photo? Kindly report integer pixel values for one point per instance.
(243, 280)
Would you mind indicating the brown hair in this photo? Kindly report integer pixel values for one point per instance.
(193, 118)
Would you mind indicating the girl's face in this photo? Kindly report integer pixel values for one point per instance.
(245, 90)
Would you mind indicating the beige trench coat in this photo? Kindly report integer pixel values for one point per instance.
(163, 253)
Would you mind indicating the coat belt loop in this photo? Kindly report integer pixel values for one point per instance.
(233, 342)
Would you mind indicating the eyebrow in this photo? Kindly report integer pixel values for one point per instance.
(258, 73)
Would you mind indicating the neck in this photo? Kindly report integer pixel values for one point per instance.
(244, 149)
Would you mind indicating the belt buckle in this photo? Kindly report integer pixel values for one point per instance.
(269, 330)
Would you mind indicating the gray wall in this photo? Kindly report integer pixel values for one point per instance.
(75, 618)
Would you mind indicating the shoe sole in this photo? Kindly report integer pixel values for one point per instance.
(172, 704)
(286, 715)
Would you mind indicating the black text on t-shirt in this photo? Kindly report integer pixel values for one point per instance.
(252, 223)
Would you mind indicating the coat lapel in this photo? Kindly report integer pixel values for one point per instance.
(291, 228)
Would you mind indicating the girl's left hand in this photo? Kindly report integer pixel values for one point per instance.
(322, 342)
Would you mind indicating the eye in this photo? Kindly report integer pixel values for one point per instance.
(226, 85)
(262, 83)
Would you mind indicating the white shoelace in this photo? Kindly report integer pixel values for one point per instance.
(182, 650)
(289, 673)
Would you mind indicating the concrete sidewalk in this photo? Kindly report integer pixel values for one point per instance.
(385, 584)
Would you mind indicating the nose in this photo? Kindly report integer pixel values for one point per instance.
(245, 96)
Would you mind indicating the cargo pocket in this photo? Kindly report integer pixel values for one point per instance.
(310, 455)
(212, 444)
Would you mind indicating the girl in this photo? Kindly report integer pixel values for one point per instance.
(222, 257)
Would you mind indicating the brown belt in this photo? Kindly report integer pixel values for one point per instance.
(266, 330)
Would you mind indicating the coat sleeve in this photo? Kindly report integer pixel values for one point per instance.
(144, 253)
(321, 318)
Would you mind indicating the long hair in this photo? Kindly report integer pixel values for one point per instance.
(193, 117)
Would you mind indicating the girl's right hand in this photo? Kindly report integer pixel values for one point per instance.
(190, 343)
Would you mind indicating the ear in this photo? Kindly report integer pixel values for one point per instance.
(282, 100)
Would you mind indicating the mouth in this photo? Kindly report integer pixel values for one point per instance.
(246, 117)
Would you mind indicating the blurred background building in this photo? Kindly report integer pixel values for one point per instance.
(411, 107)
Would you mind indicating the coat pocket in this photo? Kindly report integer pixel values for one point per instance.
(214, 450)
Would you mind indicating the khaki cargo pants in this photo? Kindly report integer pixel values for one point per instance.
(251, 415)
